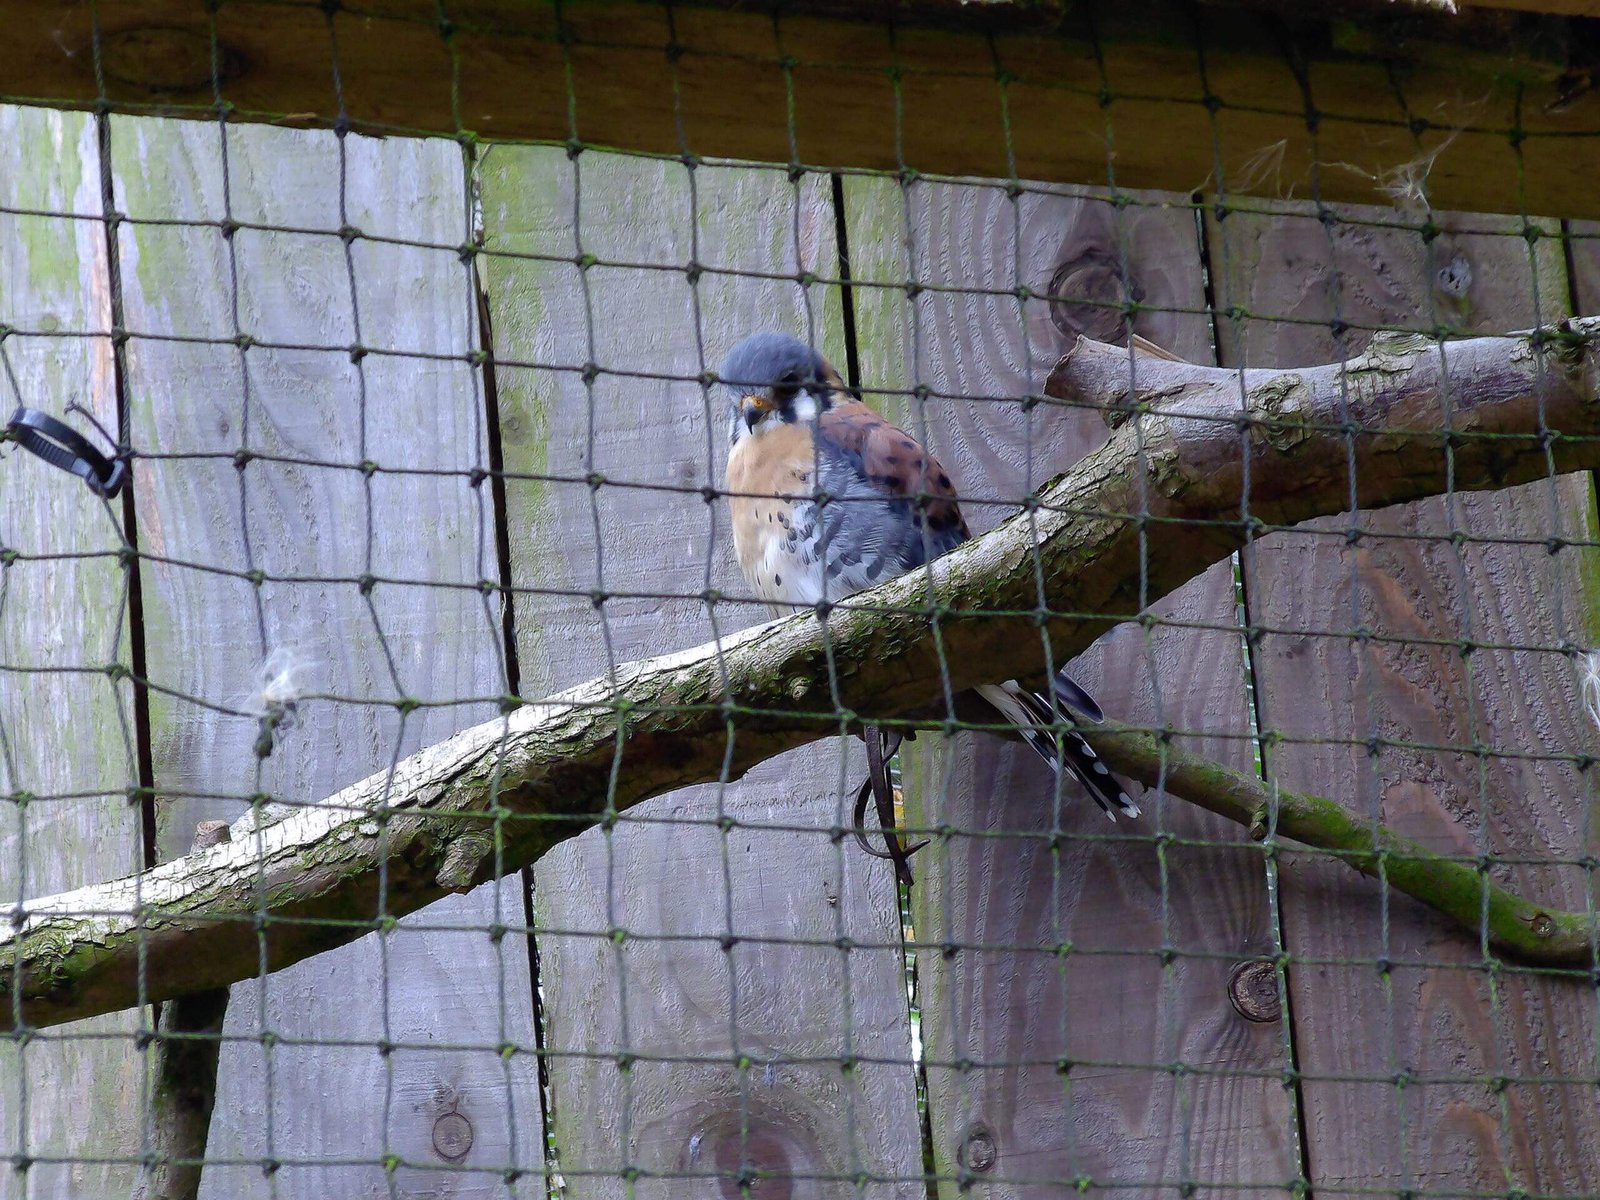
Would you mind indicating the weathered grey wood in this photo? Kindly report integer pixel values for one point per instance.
(183, 1079)
(450, 997)
(1583, 245)
(1006, 1001)
(690, 1009)
(1442, 1022)
(62, 1095)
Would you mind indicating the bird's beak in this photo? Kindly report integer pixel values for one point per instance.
(754, 408)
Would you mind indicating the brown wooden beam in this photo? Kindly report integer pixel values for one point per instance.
(1143, 95)
(1562, 8)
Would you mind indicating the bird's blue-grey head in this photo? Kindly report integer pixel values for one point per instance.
(771, 379)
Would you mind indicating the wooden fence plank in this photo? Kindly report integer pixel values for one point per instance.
(1584, 249)
(72, 1092)
(684, 1011)
(1006, 1000)
(1437, 1016)
(306, 1082)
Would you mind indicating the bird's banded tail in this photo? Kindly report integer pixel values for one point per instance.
(1032, 715)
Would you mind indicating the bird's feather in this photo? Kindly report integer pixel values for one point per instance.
(1030, 713)
(774, 515)
(891, 507)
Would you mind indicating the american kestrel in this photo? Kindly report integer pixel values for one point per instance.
(796, 433)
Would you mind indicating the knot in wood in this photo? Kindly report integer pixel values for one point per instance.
(1090, 293)
(210, 833)
(161, 59)
(979, 1152)
(1453, 281)
(757, 1158)
(452, 1136)
(463, 859)
(1274, 414)
(1253, 991)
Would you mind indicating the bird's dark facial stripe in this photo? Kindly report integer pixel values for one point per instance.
(783, 401)
(784, 392)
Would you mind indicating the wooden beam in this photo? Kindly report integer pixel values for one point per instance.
(1147, 95)
(1322, 694)
(994, 1094)
(307, 526)
(1560, 8)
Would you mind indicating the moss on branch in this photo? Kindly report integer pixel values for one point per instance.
(1511, 924)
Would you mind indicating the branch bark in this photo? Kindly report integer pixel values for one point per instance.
(1164, 498)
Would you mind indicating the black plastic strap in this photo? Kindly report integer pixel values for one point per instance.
(62, 446)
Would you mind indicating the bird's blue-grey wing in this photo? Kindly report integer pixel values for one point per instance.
(890, 505)
(890, 508)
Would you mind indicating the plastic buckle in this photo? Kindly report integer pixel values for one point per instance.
(62, 446)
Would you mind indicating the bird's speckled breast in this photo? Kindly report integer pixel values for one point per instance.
(769, 480)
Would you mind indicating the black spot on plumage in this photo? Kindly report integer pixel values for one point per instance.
(944, 480)
(778, 579)
(892, 459)
(907, 444)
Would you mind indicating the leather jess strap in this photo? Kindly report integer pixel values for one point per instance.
(879, 787)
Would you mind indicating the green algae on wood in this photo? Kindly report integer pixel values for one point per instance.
(662, 274)
(413, 406)
(1514, 926)
(66, 819)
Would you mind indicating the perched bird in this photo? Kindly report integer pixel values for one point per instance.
(796, 432)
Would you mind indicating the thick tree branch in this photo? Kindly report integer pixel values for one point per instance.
(1161, 501)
